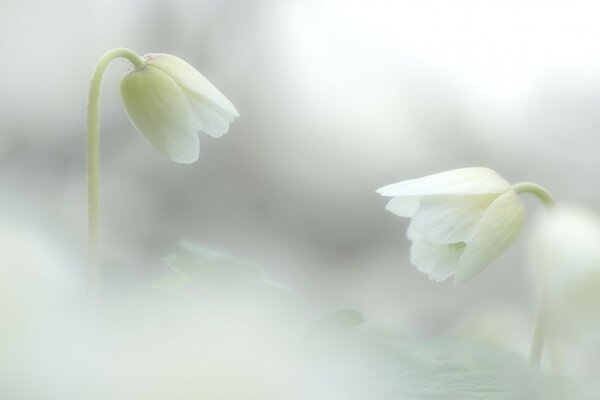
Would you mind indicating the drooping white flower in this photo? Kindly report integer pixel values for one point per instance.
(169, 102)
(461, 220)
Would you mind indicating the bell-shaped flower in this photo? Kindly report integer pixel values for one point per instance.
(461, 220)
(169, 102)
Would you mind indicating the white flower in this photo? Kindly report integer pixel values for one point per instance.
(461, 220)
(566, 244)
(168, 102)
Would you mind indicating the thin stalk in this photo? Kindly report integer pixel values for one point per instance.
(541, 318)
(93, 154)
(533, 188)
(539, 328)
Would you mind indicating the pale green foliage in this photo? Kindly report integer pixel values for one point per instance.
(216, 327)
(248, 330)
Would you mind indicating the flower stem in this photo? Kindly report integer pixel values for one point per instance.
(93, 152)
(533, 188)
(539, 330)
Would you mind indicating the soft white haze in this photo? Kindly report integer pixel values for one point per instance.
(336, 99)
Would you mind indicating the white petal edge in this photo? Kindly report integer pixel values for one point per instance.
(212, 119)
(160, 111)
(463, 181)
(403, 206)
(438, 261)
(497, 229)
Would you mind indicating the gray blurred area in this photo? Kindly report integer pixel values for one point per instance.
(336, 98)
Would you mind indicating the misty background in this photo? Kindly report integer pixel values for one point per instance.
(336, 98)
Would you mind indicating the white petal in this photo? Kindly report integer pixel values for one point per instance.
(213, 119)
(438, 261)
(403, 206)
(412, 235)
(458, 181)
(214, 110)
(450, 219)
(497, 229)
(161, 112)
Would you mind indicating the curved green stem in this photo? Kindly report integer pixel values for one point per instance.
(539, 330)
(533, 188)
(93, 151)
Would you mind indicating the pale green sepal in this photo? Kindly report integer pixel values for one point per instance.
(160, 111)
(212, 109)
(498, 228)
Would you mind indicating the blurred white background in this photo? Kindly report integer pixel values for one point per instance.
(336, 98)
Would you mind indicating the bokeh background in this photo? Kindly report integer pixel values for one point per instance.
(336, 98)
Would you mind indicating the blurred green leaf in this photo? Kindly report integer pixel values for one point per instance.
(336, 319)
(337, 355)
(209, 268)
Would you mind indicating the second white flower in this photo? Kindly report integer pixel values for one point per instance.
(461, 220)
